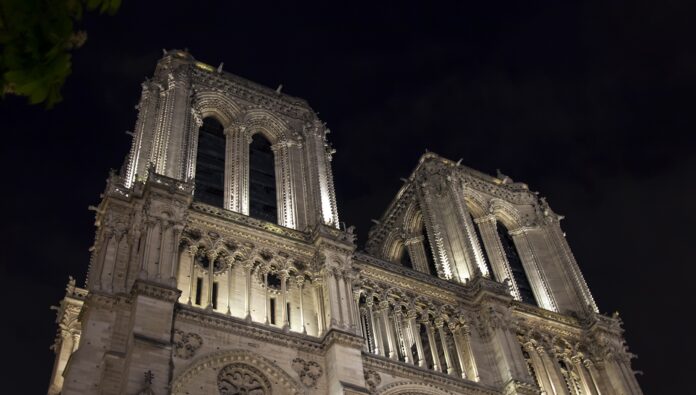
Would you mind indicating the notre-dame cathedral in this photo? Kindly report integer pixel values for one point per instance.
(220, 266)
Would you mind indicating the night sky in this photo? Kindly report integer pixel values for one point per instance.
(590, 104)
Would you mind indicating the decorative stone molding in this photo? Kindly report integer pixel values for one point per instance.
(372, 380)
(258, 368)
(242, 379)
(309, 371)
(186, 344)
(155, 290)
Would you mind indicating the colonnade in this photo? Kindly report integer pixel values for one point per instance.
(252, 290)
(419, 338)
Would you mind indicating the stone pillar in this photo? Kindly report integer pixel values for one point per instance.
(237, 168)
(286, 194)
(543, 376)
(415, 250)
(356, 308)
(494, 249)
(266, 301)
(319, 306)
(229, 287)
(247, 300)
(211, 279)
(588, 386)
(377, 336)
(300, 285)
(553, 371)
(401, 336)
(192, 251)
(460, 349)
(415, 330)
(174, 265)
(531, 267)
(384, 310)
(439, 323)
(152, 312)
(437, 366)
(333, 297)
(284, 299)
(509, 360)
(409, 340)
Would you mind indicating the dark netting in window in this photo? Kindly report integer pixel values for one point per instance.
(516, 267)
(429, 255)
(262, 184)
(210, 163)
(405, 258)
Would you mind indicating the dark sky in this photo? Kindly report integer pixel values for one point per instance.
(591, 104)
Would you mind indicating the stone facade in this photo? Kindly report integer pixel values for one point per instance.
(467, 284)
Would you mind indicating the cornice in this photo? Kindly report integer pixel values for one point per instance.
(241, 88)
(267, 334)
(400, 369)
(155, 291)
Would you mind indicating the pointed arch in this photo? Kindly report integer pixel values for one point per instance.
(217, 105)
(262, 121)
(281, 381)
(412, 387)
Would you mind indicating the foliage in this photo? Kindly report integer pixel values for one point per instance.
(36, 39)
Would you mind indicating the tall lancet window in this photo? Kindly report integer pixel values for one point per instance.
(263, 202)
(516, 267)
(210, 163)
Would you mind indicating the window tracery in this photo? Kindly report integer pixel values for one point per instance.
(242, 379)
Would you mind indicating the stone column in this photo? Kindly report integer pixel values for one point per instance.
(211, 279)
(494, 249)
(439, 323)
(437, 366)
(284, 299)
(247, 300)
(401, 337)
(300, 285)
(178, 229)
(265, 296)
(415, 250)
(377, 336)
(408, 338)
(531, 268)
(192, 251)
(352, 314)
(415, 331)
(543, 376)
(356, 307)
(319, 306)
(237, 168)
(229, 287)
(384, 310)
(588, 386)
(554, 372)
(459, 348)
(286, 194)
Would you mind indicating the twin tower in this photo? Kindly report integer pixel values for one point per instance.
(220, 267)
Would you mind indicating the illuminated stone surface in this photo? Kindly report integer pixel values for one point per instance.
(467, 284)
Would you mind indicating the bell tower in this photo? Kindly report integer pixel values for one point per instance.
(173, 131)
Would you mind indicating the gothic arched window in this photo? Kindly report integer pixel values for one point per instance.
(210, 163)
(405, 258)
(242, 379)
(263, 202)
(513, 258)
